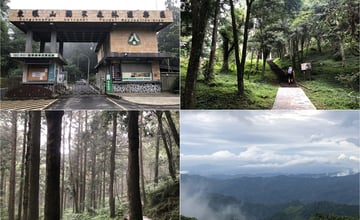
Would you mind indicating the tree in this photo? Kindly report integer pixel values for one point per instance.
(200, 10)
(12, 183)
(209, 74)
(240, 73)
(53, 160)
(173, 128)
(239, 69)
(168, 152)
(135, 208)
(22, 167)
(112, 167)
(34, 165)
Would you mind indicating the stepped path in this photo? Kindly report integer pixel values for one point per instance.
(289, 97)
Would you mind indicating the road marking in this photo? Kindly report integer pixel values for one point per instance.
(46, 106)
(122, 107)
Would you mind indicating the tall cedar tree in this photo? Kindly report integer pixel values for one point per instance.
(112, 168)
(11, 201)
(53, 160)
(200, 10)
(22, 167)
(135, 209)
(34, 163)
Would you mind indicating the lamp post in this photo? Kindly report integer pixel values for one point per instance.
(87, 82)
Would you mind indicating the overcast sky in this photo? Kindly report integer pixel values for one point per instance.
(88, 4)
(233, 142)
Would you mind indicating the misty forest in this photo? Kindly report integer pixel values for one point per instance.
(277, 197)
(234, 53)
(89, 165)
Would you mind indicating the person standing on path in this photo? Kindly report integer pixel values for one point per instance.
(290, 73)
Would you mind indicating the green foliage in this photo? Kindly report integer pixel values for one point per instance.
(319, 216)
(186, 218)
(163, 201)
(221, 93)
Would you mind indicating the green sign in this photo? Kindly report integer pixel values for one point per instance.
(109, 88)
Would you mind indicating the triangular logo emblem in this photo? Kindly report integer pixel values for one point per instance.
(134, 39)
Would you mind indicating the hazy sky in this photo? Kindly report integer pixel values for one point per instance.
(232, 142)
(88, 4)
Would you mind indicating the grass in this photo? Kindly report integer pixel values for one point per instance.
(324, 90)
(221, 93)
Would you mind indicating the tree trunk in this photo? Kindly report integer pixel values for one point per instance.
(62, 173)
(240, 76)
(236, 44)
(93, 176)
(342, 51)
(112, 168)
(27, 175)
(53, 160)
(135, 209)
(168, 153)
(83, 188)
(72, 180)
(157, 151)
(12, 183)
(226, 53)
(173, 128)
(142, 175)
(35, 129)
(200, 14)
(209, 75)
(21, 190)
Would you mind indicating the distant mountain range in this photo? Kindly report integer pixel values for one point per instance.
(279, 189)
(270, 198)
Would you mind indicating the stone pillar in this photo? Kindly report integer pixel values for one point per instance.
(29, 42)
(61, 48)
(53, 42)
(42, 47)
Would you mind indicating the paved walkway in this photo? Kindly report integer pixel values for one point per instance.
(292, 98)
(149, 98)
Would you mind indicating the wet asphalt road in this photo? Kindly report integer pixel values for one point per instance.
(86, 98)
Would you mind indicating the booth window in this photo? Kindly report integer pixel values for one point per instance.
(136, 72)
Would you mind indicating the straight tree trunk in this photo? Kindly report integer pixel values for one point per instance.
(93, 176)
(200, 14)
(12, 183)
(157, 151)
(53, 160)
(72, 180)
(83, 188)
(135, 208)
(210, 70)
(21, 190)
(168, 153)
(142, 161)
(33, 208)
(173, 128)
(112, 168)
(62, 173)
(27, 175)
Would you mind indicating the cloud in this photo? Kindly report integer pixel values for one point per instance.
(270, 138)
(341, 157)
